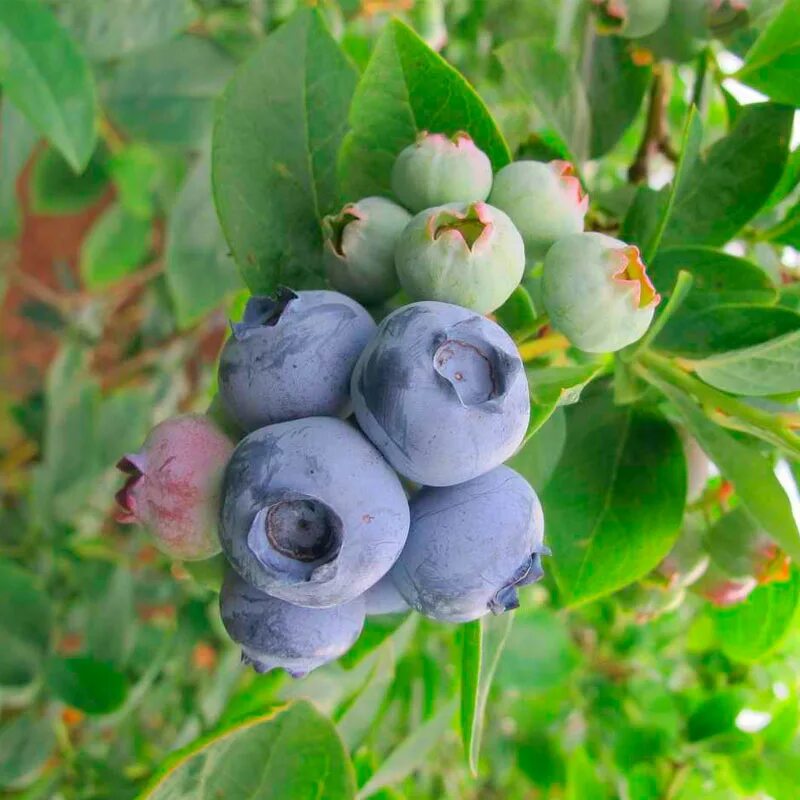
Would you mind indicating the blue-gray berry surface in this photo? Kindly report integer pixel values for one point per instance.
(274, 634)
(311, 512)
(442, 393)
(292, 357)
(384, 598)
(470, 546)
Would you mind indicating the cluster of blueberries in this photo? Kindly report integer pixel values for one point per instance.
(323, 518)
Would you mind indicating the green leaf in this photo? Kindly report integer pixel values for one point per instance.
(733, 541)
(651, 212)
(358, 719)
(165, 95)
(56, 189)
(615, 91)
(518, 314)
(116, 245)
(677, 297)
(750, 472)
(789, 179)
(716, 330)
(72, 404)
(17, 140)
(773, 62)
(714, 716)
(111, 619)
(583, 782)
(82, 682)
(546, 78)
(25, 620)
(725, 189)
(552, 387)
(482, 645)
(615, 503)
(361, 712)
(540, 758)
(751, 630)
(375, 632)
(47, 78)
(538, 457)
(121, 424)
(208, 572)
(405, 89)
(108, 31)
(718, 277)
(288, 754)
(411, 752)
(199, 270)
(769, 368)
(279, 127)
(25, 745)
(644, 220)
(788, 230)
(135, 170)
(539, 654)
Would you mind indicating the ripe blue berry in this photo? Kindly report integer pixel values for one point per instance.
(292, 356)
(442, 393)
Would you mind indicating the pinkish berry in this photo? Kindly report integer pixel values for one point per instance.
(470, 255)
(173, 485)
(597, 292)
(721, 590)
(631, 18)
(545, 201)
(438, 169)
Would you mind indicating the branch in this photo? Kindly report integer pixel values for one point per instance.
(655, 138)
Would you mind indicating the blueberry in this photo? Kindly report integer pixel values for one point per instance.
(311, 512)
(597, 292)
(173, 485)
(274, 634)
(359, 248)
(438, 169)
(545, 202)
(442, 393)
(465, 253)
(383, 598)
(292, 356)
(470, 546)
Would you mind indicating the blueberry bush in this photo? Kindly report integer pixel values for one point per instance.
(400, 399)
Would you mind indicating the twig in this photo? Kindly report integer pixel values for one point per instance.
(720, 401)
(655, 138)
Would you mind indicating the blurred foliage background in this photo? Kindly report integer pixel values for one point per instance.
(117, 286)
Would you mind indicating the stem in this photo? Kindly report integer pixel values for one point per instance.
(679, 776)
(539, 347)
(763, 420)
(700, 79)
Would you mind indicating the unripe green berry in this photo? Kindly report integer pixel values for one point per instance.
(597, 292)
(631, 18)
(436, 170)
(469, 254)
(545, 201)
(359, 248)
